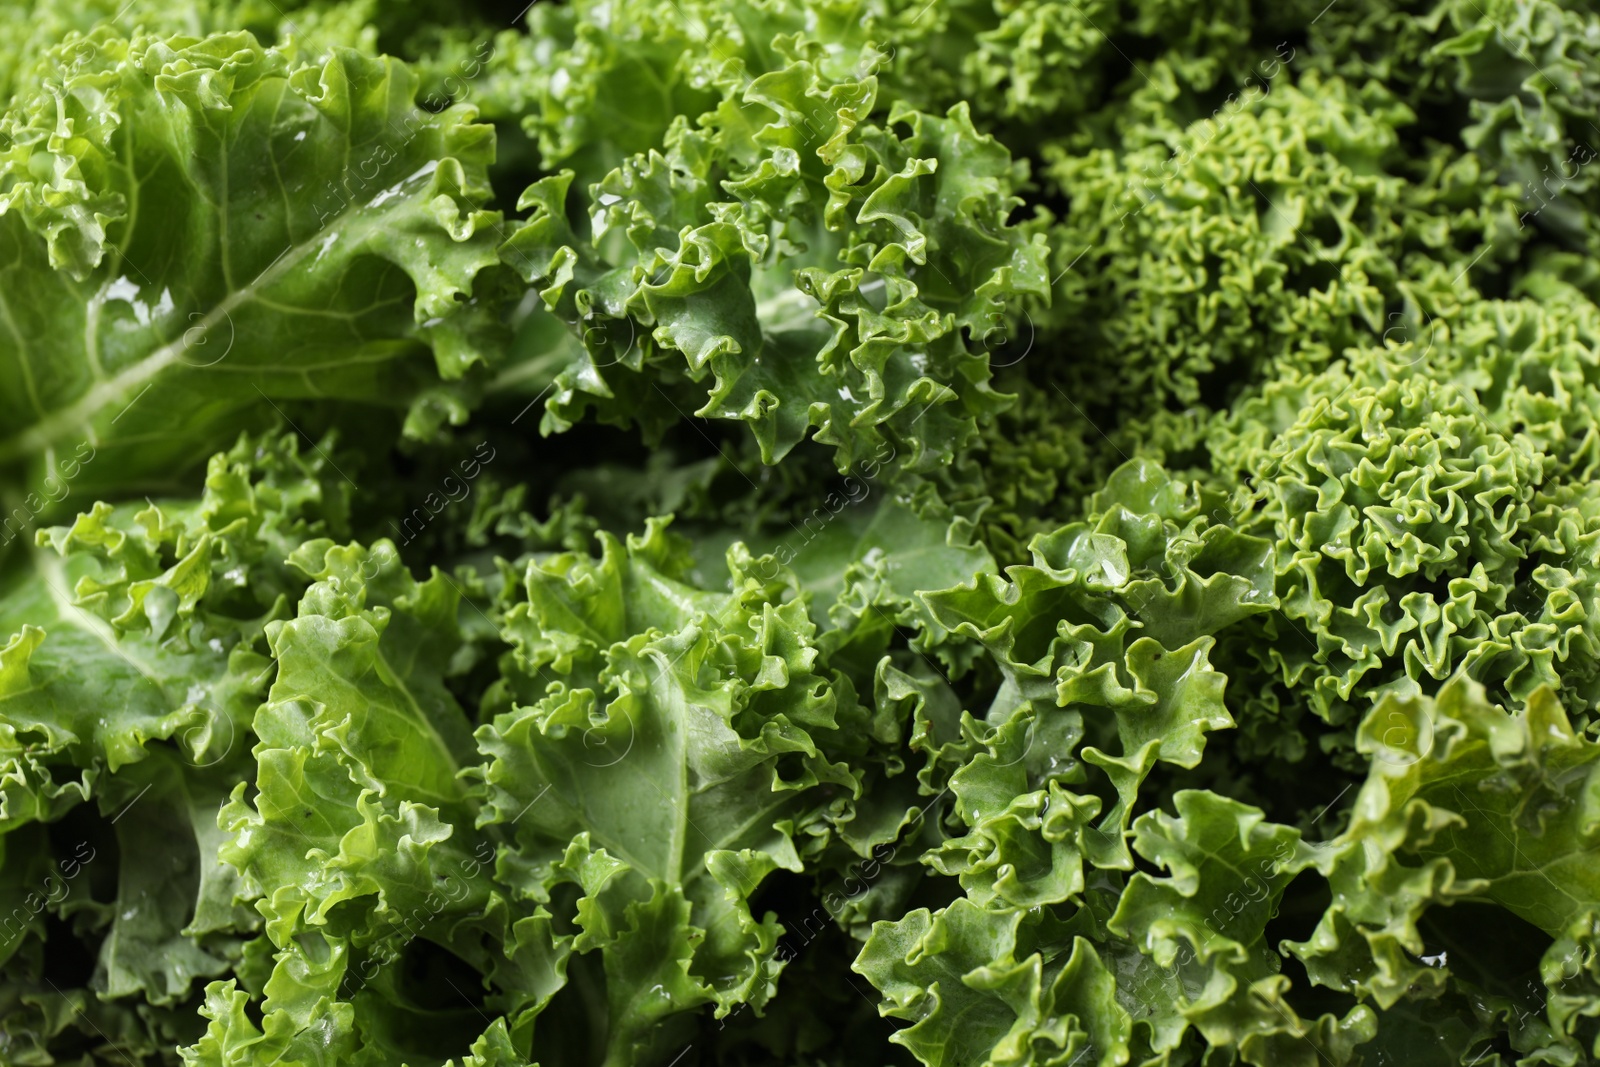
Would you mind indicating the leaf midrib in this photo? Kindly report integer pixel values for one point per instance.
(615, 845)
(104, 392)
(52, 572)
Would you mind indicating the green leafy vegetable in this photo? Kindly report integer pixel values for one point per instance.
(652, 533)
